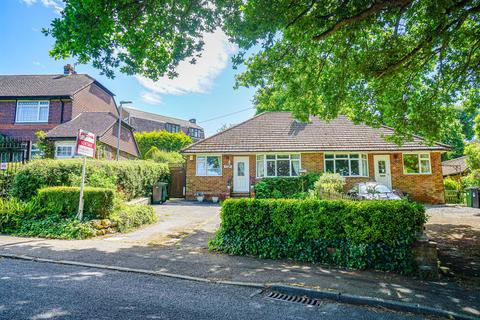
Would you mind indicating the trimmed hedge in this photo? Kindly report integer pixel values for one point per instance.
(63, 201)
(291, 187)
(354, 234)
(133, 216)
(133, 178)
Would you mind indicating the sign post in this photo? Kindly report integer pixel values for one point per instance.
(86, 142)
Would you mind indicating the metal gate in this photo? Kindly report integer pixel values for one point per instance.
(13, 154)
(176, 188)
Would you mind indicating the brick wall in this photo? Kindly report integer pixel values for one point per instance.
(427, 188)
(9, 128)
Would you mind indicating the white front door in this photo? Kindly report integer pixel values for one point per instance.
(382, 170)
(241, 175)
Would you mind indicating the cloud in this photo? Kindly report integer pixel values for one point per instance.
(38, 64)
(151, 98)
(198, 77)
(53, 4)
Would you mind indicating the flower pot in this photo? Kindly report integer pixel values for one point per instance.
(200, 198)
(214, 199)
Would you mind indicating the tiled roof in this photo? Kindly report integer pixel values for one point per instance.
(454, 166)
(135, 113)
(100, 123)
(279, 131)
(52, 85)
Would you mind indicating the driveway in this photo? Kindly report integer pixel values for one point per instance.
(456, 229)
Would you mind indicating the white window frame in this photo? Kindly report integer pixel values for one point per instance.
(264, 155)
(66, 145)
(169, 125)
(360, 160)
(205, 164)
(194, 132)
(39, 102)
(419, 164)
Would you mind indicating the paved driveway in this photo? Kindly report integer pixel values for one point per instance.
(456, 230)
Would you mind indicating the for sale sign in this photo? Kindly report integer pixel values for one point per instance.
(86, 143)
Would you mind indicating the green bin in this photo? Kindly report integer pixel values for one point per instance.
(473, 195)
(159, 193)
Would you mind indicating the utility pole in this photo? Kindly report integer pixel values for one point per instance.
(120, 126)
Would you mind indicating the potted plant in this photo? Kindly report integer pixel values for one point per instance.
(214, 199)
(200, 196)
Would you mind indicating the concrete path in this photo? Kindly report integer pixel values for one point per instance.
(189, 255)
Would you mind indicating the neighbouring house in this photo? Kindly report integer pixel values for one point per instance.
(274, 144)
(455, 168)
(147, 121)
(30, 103)
(105, 126)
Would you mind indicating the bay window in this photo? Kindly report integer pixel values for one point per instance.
(278, 165)
(32, 111)
(209, 166)
(416, 163)
(347, 164)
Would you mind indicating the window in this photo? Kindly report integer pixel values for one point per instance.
(209, 166)
(278, 165)
(194, 132)
(347, 164)
(416, 163)
(170, 127)
(32, 111)
(64, 151)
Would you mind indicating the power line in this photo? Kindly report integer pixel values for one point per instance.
(226, 115)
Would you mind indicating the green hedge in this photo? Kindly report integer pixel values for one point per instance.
(354, 234)
(63, 201)
(132, 216)
(134, 178)
(291, 187)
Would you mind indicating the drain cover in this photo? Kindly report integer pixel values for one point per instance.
(290, 298)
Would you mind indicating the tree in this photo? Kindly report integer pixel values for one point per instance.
(46, 147)
(162, 140)
(401, 63)
(163, 156)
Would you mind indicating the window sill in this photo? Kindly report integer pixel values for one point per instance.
(20, 122)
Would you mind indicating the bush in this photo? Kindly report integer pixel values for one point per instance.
(451, 184)
(164, 156)
(289, 187)
(162, 140)
(329, 183)
(11, 211)
(53, 226)
(63, 201)
(365, 234)
(132, 216)
(134, 178)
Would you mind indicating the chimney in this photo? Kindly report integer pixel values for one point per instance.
(193, 120)
(68, 69)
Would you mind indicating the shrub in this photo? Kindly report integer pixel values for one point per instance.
(11, 211)
(63, 201)
(451, 184)
(285, 187)
(134, 178)
(329, 183)
(128, 217)
(53, 226)
(164, 156)
(365, 234)
(162, 140)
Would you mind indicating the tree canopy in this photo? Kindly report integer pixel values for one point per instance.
(402, 63)
(161, 140)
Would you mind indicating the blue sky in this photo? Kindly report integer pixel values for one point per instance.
(203, 91)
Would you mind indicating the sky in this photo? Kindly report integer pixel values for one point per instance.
(202, 91)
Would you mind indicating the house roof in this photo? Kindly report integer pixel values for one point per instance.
(99, 123)
(454, 166)
(47, 85)
(135, 113)
(280, 132)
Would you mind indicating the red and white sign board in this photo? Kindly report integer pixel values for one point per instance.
(86, 143)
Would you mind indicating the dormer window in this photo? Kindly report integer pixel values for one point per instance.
(171, 127)
(32, 111)
(194, 132)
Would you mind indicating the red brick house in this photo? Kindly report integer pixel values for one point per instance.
(274, 144)
(29, 103)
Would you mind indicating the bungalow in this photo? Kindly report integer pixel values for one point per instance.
(455, 168)
(274, 144)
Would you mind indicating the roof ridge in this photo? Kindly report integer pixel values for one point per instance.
(157, 114)
(454, 159)
(228, 129)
